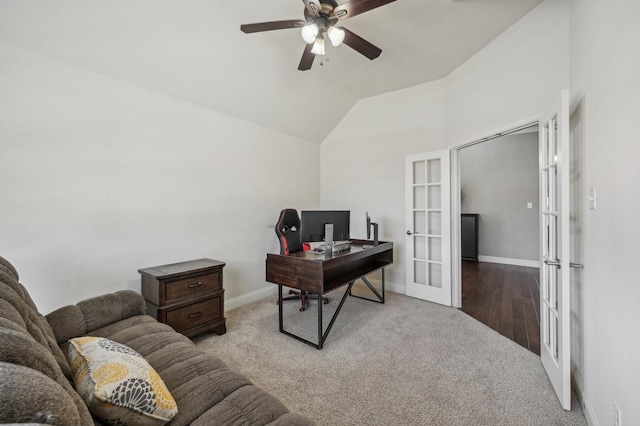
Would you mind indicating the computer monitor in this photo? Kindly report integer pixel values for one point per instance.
(312, 224)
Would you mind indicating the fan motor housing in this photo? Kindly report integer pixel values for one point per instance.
(325, 17)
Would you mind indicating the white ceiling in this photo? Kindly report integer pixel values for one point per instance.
(194, 50)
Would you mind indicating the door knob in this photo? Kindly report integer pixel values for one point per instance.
(409, 233)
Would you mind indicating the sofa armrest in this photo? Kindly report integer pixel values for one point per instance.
(90, 314)
(32, 397)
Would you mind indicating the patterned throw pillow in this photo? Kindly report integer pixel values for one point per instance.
(117, 384)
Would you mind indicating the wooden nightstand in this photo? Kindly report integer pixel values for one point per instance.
(188, 296)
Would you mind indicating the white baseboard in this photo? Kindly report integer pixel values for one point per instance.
(589, 414)
(236, 302)
(396, 288)
(509, 261)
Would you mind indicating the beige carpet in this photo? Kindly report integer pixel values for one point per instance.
(406, 362)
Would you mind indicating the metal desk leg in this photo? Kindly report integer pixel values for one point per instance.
(379, 296)
(335, 314)
(321, 336)
(280, 308)
(320, 304)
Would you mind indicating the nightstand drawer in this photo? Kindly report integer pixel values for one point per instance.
(196, 314)
(193, 286)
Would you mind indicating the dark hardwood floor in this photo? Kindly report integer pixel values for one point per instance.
(505, 298)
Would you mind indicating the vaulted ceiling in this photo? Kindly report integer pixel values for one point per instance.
(194, 50)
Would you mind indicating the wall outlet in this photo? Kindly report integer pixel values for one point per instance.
(617, 415)
(529, 205)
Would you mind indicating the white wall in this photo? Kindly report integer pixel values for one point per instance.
(363, 161)
(605, 67)
(498, 178)
(99, 178)
(515, 76)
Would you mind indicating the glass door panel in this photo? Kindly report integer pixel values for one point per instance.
(428, 231)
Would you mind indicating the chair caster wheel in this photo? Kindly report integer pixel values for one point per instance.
(292, 292)
(325, 301)
(301, 309)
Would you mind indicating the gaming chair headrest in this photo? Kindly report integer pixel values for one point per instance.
(288, 232)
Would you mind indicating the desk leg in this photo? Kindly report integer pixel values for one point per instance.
(379, 296)
(280, 313)
(335, 315)
(321, 336)
(320, 304)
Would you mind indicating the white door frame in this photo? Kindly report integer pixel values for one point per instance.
(456, 254)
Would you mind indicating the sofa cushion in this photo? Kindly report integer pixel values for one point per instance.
(14, 293)
(6, 266)
(28, 396)
(118, 384)
(198, 380)
(21, 354)
(85, 317)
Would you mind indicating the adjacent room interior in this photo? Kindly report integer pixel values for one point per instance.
(500, 235)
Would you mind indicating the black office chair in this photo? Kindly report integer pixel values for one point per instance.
(288, 232)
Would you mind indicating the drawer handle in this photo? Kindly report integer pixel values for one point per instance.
(198, 284)
(195, 315)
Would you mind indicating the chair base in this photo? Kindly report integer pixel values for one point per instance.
(302, 295)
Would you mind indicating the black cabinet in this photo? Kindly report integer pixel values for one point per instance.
(469, 236)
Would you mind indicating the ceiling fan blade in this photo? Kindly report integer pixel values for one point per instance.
(313, 7)
(356, 7)
(307, 58)
(360, 45)
(274, 25)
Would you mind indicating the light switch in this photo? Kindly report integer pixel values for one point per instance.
(592, 198)
(529, 205)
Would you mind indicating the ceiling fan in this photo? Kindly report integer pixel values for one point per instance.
(320, 21)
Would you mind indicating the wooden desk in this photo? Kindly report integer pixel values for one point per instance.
(315, 273)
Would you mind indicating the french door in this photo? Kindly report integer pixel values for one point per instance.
(554, 244)
(428, 224)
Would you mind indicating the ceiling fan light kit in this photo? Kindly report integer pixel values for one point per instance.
(310, 32)
(320, 19)
(318, 46)
(336, 35)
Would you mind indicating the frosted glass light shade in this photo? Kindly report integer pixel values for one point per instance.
(318, 46)
(336, 35)
(309, 33)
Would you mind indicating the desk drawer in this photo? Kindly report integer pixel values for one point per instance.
(196, 314)
(192, 286)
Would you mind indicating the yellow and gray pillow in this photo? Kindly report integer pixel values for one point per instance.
(118, 384)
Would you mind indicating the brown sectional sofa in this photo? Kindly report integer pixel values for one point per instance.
(35, 376)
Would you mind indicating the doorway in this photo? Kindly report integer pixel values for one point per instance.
(499, 187)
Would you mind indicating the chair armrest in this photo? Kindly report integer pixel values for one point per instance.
(90, 314)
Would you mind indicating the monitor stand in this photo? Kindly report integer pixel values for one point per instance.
(328, 240)
(375, 233)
